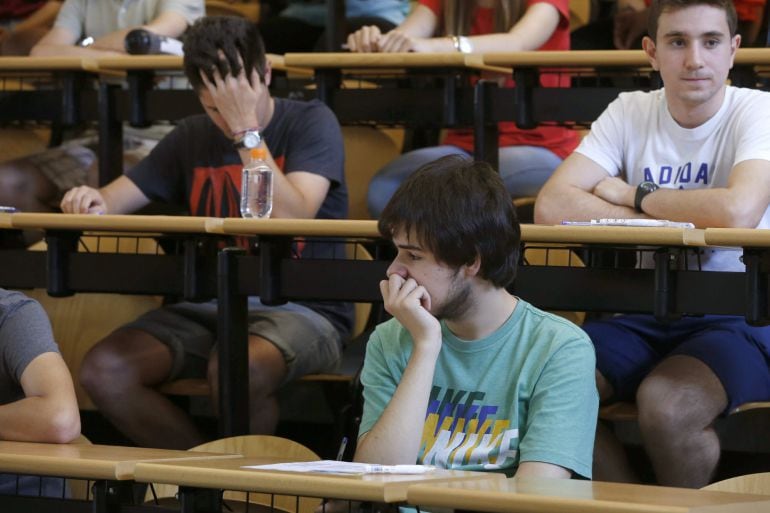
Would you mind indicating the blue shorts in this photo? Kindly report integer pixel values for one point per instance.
(628, 347)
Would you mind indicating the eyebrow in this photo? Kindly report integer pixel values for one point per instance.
(679, 33)
(409, 246)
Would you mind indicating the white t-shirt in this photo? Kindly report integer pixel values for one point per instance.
(96, 18)
(636, 138)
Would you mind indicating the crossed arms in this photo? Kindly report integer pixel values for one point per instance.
(581, 189)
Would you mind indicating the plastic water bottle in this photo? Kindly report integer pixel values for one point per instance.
(257, 186)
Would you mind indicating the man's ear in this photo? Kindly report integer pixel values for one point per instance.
(735, 43)
(648, 45)
(474, 267)
(268, 72)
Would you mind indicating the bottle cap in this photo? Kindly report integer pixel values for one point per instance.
(258, 153)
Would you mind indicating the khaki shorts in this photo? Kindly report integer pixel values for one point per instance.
(308, 341)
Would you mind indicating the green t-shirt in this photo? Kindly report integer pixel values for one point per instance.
(525, 393)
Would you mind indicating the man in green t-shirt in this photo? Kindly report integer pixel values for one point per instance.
(466, 375)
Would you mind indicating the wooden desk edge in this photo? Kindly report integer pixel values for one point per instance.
(618, 235)
(737, 237)
(287, 483)
(125, 470)
(602, 58)
(503, 501)
(346, 60)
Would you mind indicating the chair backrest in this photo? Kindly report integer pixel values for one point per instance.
(367, 150)
(579, 13)
(555, 255)
(362, 310)
(256, 446)
(80, 321)
(245, 9)
(749, 483)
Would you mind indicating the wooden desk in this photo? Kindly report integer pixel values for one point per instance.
(638, 236)
(195, 273)
(110, 468)
(560, 496)
(48, 89)
(229, 475)
(737, 237)
(87, 461)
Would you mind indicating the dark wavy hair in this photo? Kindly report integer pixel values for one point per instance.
(459, 210)
(657, 7)
(234, 37)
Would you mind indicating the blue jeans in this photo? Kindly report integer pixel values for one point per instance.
(524, 170)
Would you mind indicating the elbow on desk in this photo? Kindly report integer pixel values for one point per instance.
(62, 426)
(737, 214)
(546, 209)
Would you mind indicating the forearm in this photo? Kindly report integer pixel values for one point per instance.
(562, 202)
(112, 42)
(122, 196)
(54, 50)
(38, 419)
(289, 202)
(396, 437)
(705, 208)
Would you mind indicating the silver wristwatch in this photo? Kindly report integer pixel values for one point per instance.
(462, 44)
(247, 139)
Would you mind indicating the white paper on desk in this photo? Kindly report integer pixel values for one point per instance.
(344, 467)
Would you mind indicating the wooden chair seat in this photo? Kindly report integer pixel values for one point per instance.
(261, 446)
(750, 483)
(626, 411)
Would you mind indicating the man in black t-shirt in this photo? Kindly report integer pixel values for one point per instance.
(198, 165)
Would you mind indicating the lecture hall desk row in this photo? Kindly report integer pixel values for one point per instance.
(536, 284)
(660, 291)
(448, 104)
(200, 473)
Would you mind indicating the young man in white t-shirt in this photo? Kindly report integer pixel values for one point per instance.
(696, 151)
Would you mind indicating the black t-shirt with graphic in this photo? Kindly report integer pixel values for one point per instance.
(196, 166)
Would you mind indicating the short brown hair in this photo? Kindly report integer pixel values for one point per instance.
(658, 7)
(459, 210)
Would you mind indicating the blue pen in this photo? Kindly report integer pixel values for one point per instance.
(343, 444)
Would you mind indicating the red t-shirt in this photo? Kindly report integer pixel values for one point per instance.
(559, 140)
(10, 9)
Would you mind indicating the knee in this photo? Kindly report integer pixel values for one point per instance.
(603, 387)
(104, 370)
(14, 183)
(665, 406)
(95, 369)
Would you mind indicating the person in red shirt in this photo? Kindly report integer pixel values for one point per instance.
(527, 157)
(24, 22)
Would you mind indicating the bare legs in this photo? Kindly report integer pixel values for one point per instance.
(120, 374)
(267, 369)
(678, 403)
(122, 371)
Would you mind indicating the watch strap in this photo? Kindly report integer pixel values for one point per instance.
(642, 190)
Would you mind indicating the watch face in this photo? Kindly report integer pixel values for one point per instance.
(465, 45)
(648, 186)
(251, 140)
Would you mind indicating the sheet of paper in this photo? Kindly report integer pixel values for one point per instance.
(344, 467)
(661, 223)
